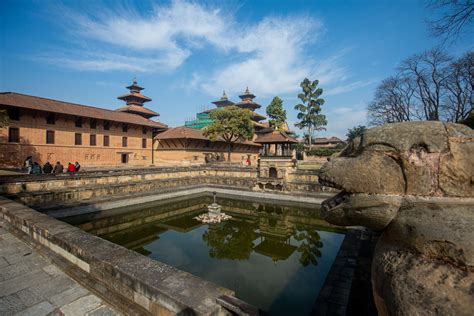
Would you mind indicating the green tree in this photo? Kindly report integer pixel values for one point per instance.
(310, 245)
(4, 119)
(276, 113)
(230, 123)
(230, 240)
(310, 108)
(354, 132)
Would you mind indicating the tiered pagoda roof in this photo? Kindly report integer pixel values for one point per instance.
(135, 100)
(247, 101)
(223, 101)
(275, 137)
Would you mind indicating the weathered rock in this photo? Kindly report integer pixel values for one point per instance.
(414, 181)
(408, 284)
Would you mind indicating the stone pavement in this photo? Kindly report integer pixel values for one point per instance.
(29, 285)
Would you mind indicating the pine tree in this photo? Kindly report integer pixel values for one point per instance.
(276, 113)
(310, 109)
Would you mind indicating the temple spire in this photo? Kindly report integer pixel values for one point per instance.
(247, 95)
(135, 100)
(223, 101)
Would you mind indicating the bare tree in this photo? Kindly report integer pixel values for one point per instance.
(429, 73)
(428, 86)
(460, 85)
(455, 17)
(393, 101)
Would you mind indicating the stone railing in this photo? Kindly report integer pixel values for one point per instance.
(38, 190)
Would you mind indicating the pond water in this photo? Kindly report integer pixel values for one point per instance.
(275, 257)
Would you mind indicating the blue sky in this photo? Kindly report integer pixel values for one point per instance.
(186, 52)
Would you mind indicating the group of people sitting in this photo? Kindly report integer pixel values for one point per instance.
(35, 168)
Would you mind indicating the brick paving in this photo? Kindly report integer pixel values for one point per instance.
(29, 285)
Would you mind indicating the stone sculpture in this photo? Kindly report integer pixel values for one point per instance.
(415, 182)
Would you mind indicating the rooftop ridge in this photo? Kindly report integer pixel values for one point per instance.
(76, 104)
(55, 100)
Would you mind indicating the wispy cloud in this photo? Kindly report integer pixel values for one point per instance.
(271, 56)
(340, 119)
(349, 87)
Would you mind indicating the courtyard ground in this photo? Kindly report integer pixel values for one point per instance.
(30, 285)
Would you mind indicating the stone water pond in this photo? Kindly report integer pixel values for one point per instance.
(273, 256)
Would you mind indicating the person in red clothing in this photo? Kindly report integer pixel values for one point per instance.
(71, 167)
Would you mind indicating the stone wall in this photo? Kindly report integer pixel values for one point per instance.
(54, 189)
(157, 288)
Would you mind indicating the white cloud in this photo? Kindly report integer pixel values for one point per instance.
(340, 119)
(349, 87)
(158, 41)
(271, 56)
(276, 63)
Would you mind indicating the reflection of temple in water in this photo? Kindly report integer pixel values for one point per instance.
(270, 230)
(275, 236)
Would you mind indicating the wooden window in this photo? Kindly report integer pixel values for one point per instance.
(79, 122)
(49, 137)
(124, 128)
(93, 140)
(124, 158)
(78, 139)
(51, 119)
(106, 125)
(106, 141)
(144, 130)
(14, 114)
(143, 142)
(14, 135)
(124, 141)
(93, 123)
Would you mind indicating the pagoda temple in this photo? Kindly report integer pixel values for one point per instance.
(223, 101)
(247, 102)
(135, 100)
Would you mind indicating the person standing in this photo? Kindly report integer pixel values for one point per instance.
(28, 164)
(47, 168)
(58, 168)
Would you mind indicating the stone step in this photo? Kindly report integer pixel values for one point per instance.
(50, 198)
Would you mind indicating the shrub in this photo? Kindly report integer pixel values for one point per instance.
(323, 152)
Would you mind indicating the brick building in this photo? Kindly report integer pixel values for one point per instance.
(324, 142)
(51, 130)
(184, 144)
(188, 144)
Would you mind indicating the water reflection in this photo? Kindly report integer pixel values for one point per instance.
(230, 240)
(273, 256)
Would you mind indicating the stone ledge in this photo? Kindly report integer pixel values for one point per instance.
(162, 195)
(122, 172)
(155, 286)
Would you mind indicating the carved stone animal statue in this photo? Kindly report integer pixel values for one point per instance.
(415, 182)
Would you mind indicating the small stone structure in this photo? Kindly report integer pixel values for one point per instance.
(413, 182)
(214, 214)
(276, 161)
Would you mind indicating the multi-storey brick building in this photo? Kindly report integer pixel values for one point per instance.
(51, 130)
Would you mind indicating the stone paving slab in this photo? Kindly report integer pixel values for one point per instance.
(29, 285)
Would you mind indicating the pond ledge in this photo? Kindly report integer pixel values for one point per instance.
(140, 281)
